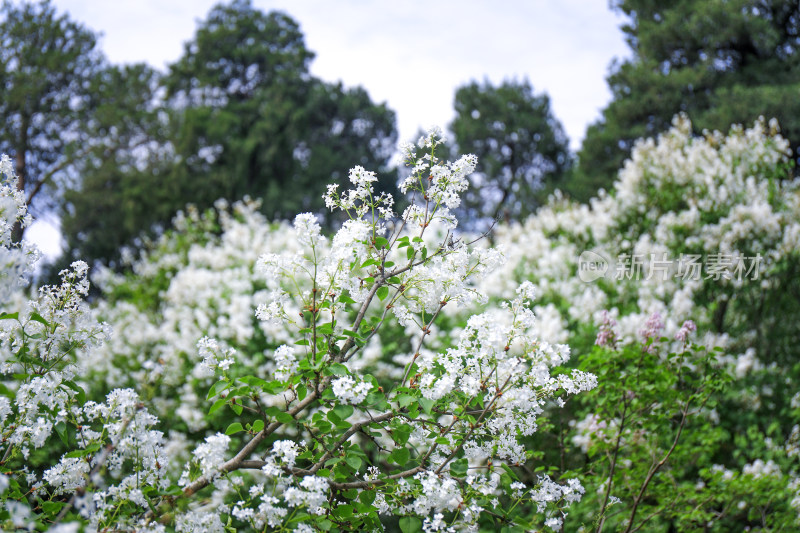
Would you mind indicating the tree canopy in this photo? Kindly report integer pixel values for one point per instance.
(47, 63)
(239, 114)
(125, 186)
(521, 147)
(721, 62)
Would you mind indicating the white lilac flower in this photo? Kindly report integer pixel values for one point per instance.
(307, 229)
(211, 454)
(285, 362)
(347, 390)
(215, 357)
(286, 451)
(194, 521)
(68, 475)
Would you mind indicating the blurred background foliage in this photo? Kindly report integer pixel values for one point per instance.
(116, 151)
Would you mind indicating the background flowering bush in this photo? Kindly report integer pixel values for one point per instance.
(402, 375)
(727, 196)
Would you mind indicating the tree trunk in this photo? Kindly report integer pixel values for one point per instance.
(17, 231)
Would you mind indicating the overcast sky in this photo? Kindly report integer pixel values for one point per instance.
(412, 54)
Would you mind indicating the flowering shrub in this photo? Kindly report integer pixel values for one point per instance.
(717, 200)
(418, 448)
(56, 444)
(399, 374)
(651, 420)
(312, 439)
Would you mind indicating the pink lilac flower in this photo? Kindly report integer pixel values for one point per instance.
(607, 336)
(652, 329)
(687, 328)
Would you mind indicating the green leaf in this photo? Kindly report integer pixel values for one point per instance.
(354, 462)
(509, 471)
(323, 426)
(90, 449)
(61, 429)
(404, 400)
(81, 394)
(343, 511)
(400, 456)
(338, 369)
(426, 404)
(382, 293)
(367, 496)
(234, 428)
(258, 425)
(343, 411)
(377, 400)
(281, 416)
(217, 405)
(459, 468)
(9, 316)
(346, 299)
(381, 242)
(402, 433)
(410, 524)
(52, 508)
(217, 387)
(39, 318)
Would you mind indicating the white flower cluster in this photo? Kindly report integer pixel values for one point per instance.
(16, 260)
(208, 457)
(498, 359)
(245, 291)
(285, 362)
(269, 506)
(214, 356)
(347, 390)
(136, 456)
(209, 288)
(359, 199)
(115, 446)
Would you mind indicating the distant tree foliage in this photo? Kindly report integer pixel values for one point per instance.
(239, 114)
(237, 96)
(47, 62)
(521, 147)
(343, 128)
(251, 120)
(125, 185)
(721, 62)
